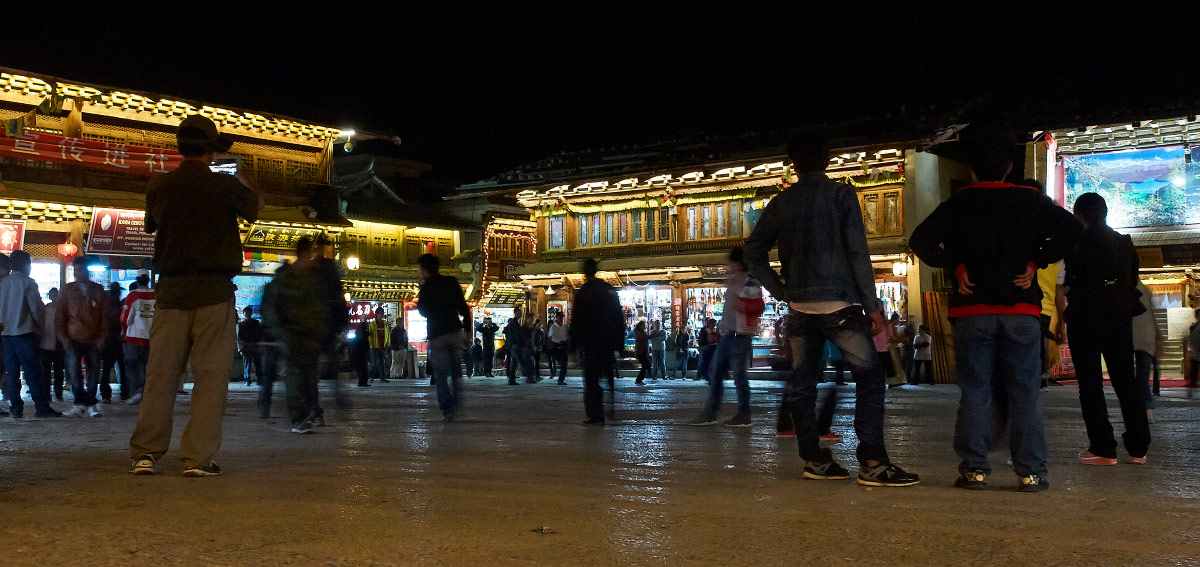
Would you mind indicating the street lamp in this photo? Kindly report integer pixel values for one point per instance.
(352, 262)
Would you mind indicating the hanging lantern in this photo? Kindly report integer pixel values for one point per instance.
(67, 249)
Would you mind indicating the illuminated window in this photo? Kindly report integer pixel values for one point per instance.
(608, 228)
(596, 229)
(624, 219)
(557, 240)
(583, 230)
(637, 226)
(650, 224)
(691, 223)
(664, 225)
(706, 221)
(719, 217)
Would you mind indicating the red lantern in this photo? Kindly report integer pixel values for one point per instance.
(67, 249)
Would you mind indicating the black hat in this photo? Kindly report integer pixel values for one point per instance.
(201, 131)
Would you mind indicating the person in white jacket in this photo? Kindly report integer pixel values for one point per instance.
(137, 314)
(1147, 343)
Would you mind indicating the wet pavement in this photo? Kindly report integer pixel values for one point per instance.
(389, 483)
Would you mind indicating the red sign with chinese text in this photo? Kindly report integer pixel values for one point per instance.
(119, 232)
(110, 156)
(12, 235)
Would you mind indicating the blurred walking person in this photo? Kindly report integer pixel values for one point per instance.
(537, 340)
(193, 213)
(487, 333)
(379, 335)
(1147, 348)
(706, 343)
(681, 341)
(1102, 299)
(360, 354)
(558, 337)
(329, 277)
(399, 345)
(137, 317)
(112, 352)
(739, 323)
(295, 311)
(829, 285)
(22, 315)
(82, 323)
(597, 331)
(641, 351)
(51, 350)
(448, 318)
(658, 350)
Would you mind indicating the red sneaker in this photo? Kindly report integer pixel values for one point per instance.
(1138, 460)
(831, 436)
(788, 433)
(1088, 458)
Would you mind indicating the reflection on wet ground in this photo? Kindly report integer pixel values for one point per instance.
(389, 483)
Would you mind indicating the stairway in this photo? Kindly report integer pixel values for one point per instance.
(1172, 350)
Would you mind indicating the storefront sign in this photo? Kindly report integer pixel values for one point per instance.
(1150, 257)
(507, 268)
(362, 311)
(109, 156)
(677, 311)
(714, 272)
(381, 294)
(12, 235)
(611, 278)
(278, 237)
(119, 232)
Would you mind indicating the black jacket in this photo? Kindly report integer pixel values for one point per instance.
(994, 230)
(597, 323)
(440, 301)
(1102, 276)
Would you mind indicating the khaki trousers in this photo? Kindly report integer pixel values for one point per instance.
(207, 337)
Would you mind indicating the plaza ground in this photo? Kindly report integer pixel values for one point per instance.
(389, 483)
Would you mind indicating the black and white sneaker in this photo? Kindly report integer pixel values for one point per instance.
(739, 420)
(302, 427)
(886, 474)
(143, 465)
(1033, 483)
(825, 470)
(971, 480)
(211, 469)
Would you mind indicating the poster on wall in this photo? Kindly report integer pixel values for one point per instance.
(249, 293)
(1144, 187)
(119, 232)
(12, 235)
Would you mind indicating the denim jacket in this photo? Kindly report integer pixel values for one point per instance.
(822, 245)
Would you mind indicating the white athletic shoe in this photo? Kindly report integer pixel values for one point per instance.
(75, 411)
(95, 411)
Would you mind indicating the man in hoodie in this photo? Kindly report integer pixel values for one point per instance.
(829, 285)
(137, 315)
(22, 314)
(82, 323)
(993, 236)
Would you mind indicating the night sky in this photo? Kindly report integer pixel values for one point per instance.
(477, 91)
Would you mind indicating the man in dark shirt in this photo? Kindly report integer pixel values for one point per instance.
(249, 333)
(193, 213)
(448, 320)
(487, 332)
(1102, 299)
(597, 331)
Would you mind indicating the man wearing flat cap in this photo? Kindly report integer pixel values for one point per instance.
(193, 213)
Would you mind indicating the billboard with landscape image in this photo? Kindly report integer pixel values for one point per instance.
(1146, 187)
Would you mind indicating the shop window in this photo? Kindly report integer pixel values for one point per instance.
(608, 228)
(583, 230)
(596, 229)
(691, 222)
(664, 225)
(650, 224)
(719, 219)
(882, 212)
(557, 238)
(637, 226)
(706, 221)
(735, 218)
(624, 227)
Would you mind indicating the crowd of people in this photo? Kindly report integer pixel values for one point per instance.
(993, 236)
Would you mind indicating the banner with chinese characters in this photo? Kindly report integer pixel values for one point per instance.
(278, 237)
(109, 156)
(119, 232)
(12, 235)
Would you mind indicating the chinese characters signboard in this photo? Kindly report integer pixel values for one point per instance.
(279, 237)
(12, 235)
(119, 231)
(110, 156)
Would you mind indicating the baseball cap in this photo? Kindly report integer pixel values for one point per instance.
(196, 129)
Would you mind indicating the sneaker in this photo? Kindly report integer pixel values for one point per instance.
(739, 420)
(786, 433)
(825, 470)
(831, 437)
(1033, 483)
(95, 411)
(317, 420)
(302, 427)
(594, 421)
(1089, 458)
(971, 480)
(144, 465)
(135, 400)
(704, 420)
(75, 411)
(886, 475)
(47, 413)
(211, 469)
(1138, 460)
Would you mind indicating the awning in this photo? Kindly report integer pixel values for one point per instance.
(667, 262)
(1165, 237)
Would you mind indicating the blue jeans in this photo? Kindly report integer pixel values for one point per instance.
(251, 358)
(266, 382)
(1004, 349)
(21, 352)
(659, 363)
(681, 360)
(135, 362)
(850, 331)
(445, 354)
(1144, 363)
(730, 356)
(84, 391)
(380, 363)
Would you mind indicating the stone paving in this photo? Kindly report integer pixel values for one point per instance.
(389, 483)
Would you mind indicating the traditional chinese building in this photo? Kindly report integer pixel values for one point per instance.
(76, 158)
